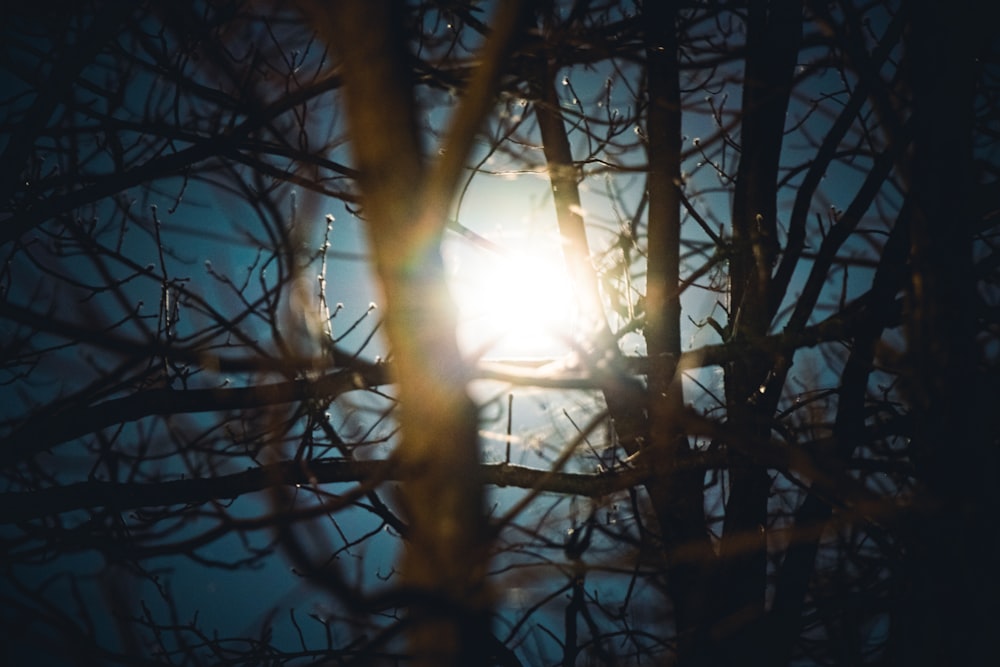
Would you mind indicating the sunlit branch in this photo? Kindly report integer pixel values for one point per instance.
(45, 431)
(554, 374)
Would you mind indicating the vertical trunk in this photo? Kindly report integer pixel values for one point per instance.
(405, 203)
(773, 32)
(681, 506)
(950, 568)
(675, 492)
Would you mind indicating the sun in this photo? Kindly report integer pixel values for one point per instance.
(514, 300)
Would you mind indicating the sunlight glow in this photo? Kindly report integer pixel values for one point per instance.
(514, 303)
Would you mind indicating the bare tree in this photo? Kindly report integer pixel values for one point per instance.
(245, 421)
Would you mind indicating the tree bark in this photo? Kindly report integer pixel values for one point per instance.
(773, 33)
(406, 201)
(679, 502)
(950, 572)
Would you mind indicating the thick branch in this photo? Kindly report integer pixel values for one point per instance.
(121, 496)
(47, 430)
(407, 200)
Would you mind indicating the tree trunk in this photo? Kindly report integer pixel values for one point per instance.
(680, 501)
(950, 569)
(406, 204)
(773, 32)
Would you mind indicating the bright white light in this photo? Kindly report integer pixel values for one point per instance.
(514, 303)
